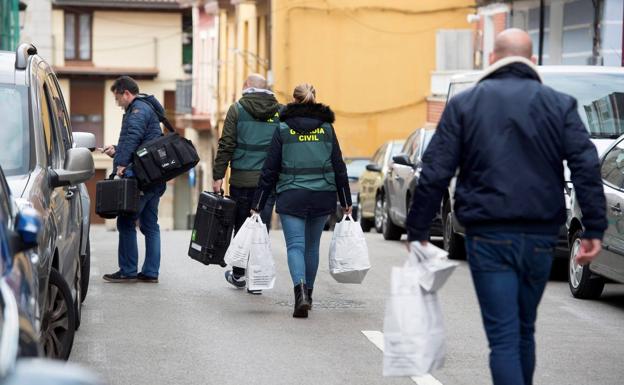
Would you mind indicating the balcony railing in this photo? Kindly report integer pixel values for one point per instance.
(184, 96)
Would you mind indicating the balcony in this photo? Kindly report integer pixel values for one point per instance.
(185, 116)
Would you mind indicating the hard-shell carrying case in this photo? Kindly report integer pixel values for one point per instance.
(163, 158)
(115, 197)
(212, 231)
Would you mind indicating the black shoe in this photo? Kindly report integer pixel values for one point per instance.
(118, 278)
(302, 302)
(237, 282)
(310, 297)
(146, 278)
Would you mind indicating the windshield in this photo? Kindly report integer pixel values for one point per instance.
(355, 167)
(14, 131)
(600, 100)
(396, 147)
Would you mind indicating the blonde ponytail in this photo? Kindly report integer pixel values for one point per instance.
(305, 93)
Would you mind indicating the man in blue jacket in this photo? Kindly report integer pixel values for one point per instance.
(140, 124)
(509, 136)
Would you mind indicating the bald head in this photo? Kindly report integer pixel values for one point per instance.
(512, 42)
(255, 81)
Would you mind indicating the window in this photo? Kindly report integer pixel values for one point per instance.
(612, 169)
(47, 115)
(378, 157)
(14, 130)
(60, 112)
(77, 36)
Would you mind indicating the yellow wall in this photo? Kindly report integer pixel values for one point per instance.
(369, 60)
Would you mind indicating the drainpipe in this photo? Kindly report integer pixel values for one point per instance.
(597, 43)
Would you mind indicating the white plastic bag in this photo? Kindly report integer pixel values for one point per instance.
(433, 265)
(261, 267)
(414, 337)
(237, 253)
(348, 252)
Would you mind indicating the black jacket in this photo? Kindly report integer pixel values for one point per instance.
(509, 136)
(303, 118)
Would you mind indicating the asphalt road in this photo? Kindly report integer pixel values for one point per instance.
(193, 328)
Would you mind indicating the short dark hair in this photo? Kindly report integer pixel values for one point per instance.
(123, 84)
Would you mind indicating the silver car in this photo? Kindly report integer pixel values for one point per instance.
(588, 281)
(44, 171)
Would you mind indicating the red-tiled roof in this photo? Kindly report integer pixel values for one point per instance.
(141, 4)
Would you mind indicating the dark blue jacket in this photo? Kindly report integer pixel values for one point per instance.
(140, 124)
(509, 136)
(303, 118)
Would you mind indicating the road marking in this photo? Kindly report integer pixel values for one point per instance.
(376, 337)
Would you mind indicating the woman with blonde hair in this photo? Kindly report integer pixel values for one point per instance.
(305, 166)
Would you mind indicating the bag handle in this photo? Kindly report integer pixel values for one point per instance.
(161, 118)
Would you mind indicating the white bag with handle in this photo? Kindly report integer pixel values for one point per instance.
(433, 265)
(261, 266)
(348, 252)
(414, 337)
(237, 254)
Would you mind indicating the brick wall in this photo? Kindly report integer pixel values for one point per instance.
(500, 22)
(435, 106)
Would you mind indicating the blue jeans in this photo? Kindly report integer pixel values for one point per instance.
(303, 239)
(128, 252)
(510, 272)
(243, 196)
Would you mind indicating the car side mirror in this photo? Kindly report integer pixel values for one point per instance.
(27, 227)
(84, 140)
(78, 168)
(373, 167)
(402, 159)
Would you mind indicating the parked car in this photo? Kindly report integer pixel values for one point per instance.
(355, 168)
(401, 181)
(15, 369)
(18, 238)
(44, 171)
(371, 185)
(593, 87)
(588, 281)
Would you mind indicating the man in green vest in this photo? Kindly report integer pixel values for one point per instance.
(247, 132)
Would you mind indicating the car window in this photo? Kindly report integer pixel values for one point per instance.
(408, 143)
(396, 148)
(49, 131)
(458, 87)
(379, 154)
(600, 99)
(14, 130)
(612, 168)
(426, 140)
(60, 112)
(356, 167)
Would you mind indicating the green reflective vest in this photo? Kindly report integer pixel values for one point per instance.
(253, 139)
(306, 159)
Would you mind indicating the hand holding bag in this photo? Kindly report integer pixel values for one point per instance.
(261, 267)
(237, 254)
(414, 337)
(348, 252)
(433, 265)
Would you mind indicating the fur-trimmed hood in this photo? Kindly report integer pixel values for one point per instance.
(306, 117)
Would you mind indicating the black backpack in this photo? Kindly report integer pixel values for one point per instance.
(163, 158)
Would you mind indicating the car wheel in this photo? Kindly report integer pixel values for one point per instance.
(390, 231)
(379, 213)
(452, 242)
(583, 284)
(85, 271)
(59, 319)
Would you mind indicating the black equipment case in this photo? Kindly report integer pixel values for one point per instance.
(212, 231)
(163, 158)
(115, 197)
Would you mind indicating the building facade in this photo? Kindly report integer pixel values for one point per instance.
(94, 42)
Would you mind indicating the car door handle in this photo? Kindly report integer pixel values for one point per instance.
(71, 192)
(617, 209)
